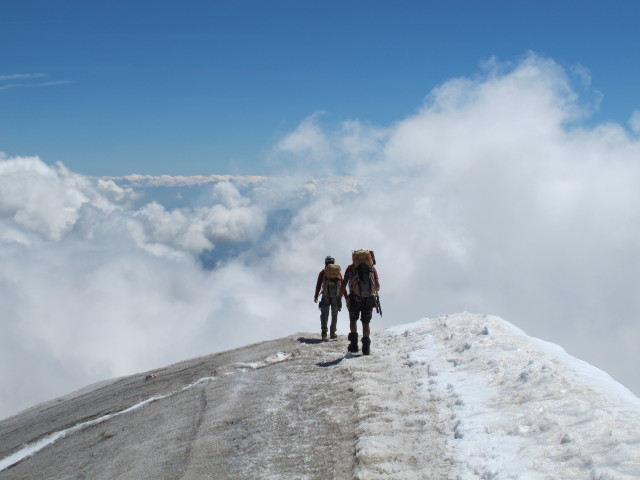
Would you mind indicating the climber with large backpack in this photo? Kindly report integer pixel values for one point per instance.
(362, 279)
(330, 284)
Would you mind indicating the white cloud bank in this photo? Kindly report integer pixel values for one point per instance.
(490, 198)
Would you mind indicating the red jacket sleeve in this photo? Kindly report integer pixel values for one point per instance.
(319, 283)
(347, 276)
(375, 278)
(343, 286)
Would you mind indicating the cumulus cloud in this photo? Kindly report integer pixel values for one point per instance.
(231, 219)
(325, 150)
(39, 199)
(491, 198)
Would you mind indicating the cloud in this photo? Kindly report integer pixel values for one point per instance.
(22, 76)
(38, 199)
(491, 198)
(137, 180)
(326, 151)
(634, 121)
(231, 219)
(29, 84)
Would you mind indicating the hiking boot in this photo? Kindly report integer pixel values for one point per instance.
(333, 335)
(366, 344)
(324, 333)
(353, 345)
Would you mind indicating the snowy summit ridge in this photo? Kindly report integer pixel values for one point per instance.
(455, 397)
(522, 407)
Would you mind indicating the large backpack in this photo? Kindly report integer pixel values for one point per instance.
(331, 284)
(362, 281)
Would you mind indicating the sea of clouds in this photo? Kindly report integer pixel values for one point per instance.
(496, 196)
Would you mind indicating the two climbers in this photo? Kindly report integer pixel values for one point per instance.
(361, 277)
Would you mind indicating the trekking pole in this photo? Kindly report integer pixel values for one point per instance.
(378, 305)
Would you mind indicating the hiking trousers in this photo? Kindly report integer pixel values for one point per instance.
(327, 305)
(360, 308)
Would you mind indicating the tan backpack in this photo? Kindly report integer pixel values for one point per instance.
(363, 256)
(331, 284)
(362, 282)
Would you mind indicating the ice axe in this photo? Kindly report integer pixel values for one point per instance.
(378, 305)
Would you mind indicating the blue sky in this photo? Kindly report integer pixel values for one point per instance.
(208, 87)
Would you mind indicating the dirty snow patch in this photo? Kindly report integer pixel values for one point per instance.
(277, 358)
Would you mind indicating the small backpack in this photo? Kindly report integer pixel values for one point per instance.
(331, 284)
(362, 282)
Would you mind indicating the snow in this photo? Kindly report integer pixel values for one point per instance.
(461, 397)
(277, 358)
(519, 407)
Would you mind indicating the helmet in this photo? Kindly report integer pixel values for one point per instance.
(329, 259)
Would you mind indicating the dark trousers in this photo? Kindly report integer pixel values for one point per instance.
(360, 308)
